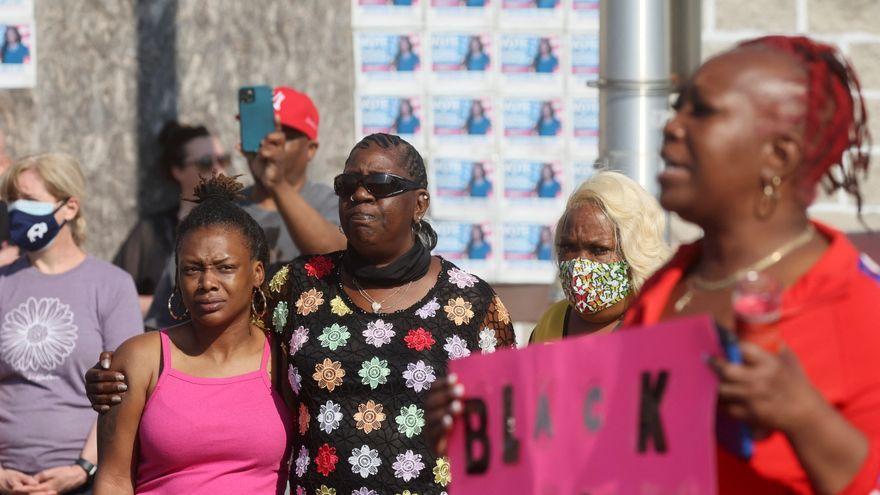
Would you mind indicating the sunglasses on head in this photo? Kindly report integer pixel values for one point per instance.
(206, 162)
(379, 185)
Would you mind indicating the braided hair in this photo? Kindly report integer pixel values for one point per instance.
(836, 122)
(216, 198)
(411, 161)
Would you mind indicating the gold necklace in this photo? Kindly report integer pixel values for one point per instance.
(699, 283)
(376, 306)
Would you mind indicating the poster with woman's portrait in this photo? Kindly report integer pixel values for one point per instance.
(584, 14)
(584, 60)
(464, 60)
(528, 252)
(462, 184)
(469, 244)
(388, 59)
(585, 125)
(581, 170)
(531, 60)
(446, 13)
(532, 121)
(369, 13)
(532, 13)
(17, 55)
(458, 120)
(392, 114)
(529, 182)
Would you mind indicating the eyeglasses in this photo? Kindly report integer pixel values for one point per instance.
(379, 185)
(206, 162)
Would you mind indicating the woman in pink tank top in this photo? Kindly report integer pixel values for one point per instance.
(201, 415)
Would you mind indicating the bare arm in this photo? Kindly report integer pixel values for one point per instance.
(138, 359)
(310, 231)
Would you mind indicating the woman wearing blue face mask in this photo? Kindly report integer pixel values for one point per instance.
(58, 308)
(608, 241)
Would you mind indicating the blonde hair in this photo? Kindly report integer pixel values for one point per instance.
(63, 178)
(638, 219)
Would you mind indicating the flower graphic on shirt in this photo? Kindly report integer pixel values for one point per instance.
(329, 416)
(461, 278)
(318, 266)
(419, 376)
(406, 492)
(279, 279)
(408, 465)
(302, 462)
(442, 473)
(410, 421)
(294, 378)
(459, 311)
(456, 347)
(304, 419)
(309, 302)
(328, 374)
(429, 310)
(364, 461)
(326, 459)
(374, 372)
(324, 490)
(300, 490)
(497, 308)
(38, 335)
(364, 491)
(279, 316)
(487, 341)
(298, 339)
(419, 339)
(369, 416)
(338, 307)
(378, 333)
(334, 336)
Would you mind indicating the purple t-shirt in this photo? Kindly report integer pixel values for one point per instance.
(52, 328)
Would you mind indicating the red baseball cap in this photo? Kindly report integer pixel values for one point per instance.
(296, 110)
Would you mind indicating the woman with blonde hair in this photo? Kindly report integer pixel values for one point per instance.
(608, 242)
(58, 308)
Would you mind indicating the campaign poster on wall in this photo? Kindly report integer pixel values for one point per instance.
(18, 59)
(392, 114)
(529, 182)
(531, 60)
(462, 120)
(532, 13)
(584, 14)
(528, 252)
(585, 125)
(388, 59)
(460, 12)
(533, 122)
(386, 12)
(462, 60)
(584, 60)
(462, 184)
(469, 244)
(581, 170)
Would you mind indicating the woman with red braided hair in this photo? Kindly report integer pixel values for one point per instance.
(756, 129)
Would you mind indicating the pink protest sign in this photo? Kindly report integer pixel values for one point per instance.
(630, 413)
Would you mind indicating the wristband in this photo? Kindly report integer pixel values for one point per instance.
(87, 466)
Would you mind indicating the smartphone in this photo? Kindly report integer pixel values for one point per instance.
(732, 435)
(256, 116)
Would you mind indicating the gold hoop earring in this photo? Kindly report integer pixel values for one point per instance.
(259, 314)
(769, 197)
(171, 306)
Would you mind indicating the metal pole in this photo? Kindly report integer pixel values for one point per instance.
(634, 86)
(687, 24)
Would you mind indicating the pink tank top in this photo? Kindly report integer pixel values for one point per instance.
(213, 435)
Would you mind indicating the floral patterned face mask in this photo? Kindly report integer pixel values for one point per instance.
(591, 286)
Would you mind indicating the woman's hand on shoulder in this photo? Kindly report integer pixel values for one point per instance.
(106, 380)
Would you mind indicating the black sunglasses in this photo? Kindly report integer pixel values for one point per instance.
(206, 162)
(379, 185)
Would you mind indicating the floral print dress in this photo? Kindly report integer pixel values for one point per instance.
(360, 379)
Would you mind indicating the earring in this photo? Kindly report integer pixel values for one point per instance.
(351, 198)
(265, 305)
(417, 226)
(769, 196)
(171, 305)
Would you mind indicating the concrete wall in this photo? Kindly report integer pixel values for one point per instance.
(110, 72)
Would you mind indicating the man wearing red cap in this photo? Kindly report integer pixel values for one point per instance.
(304, 215)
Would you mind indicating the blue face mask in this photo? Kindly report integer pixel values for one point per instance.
(32, 224)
